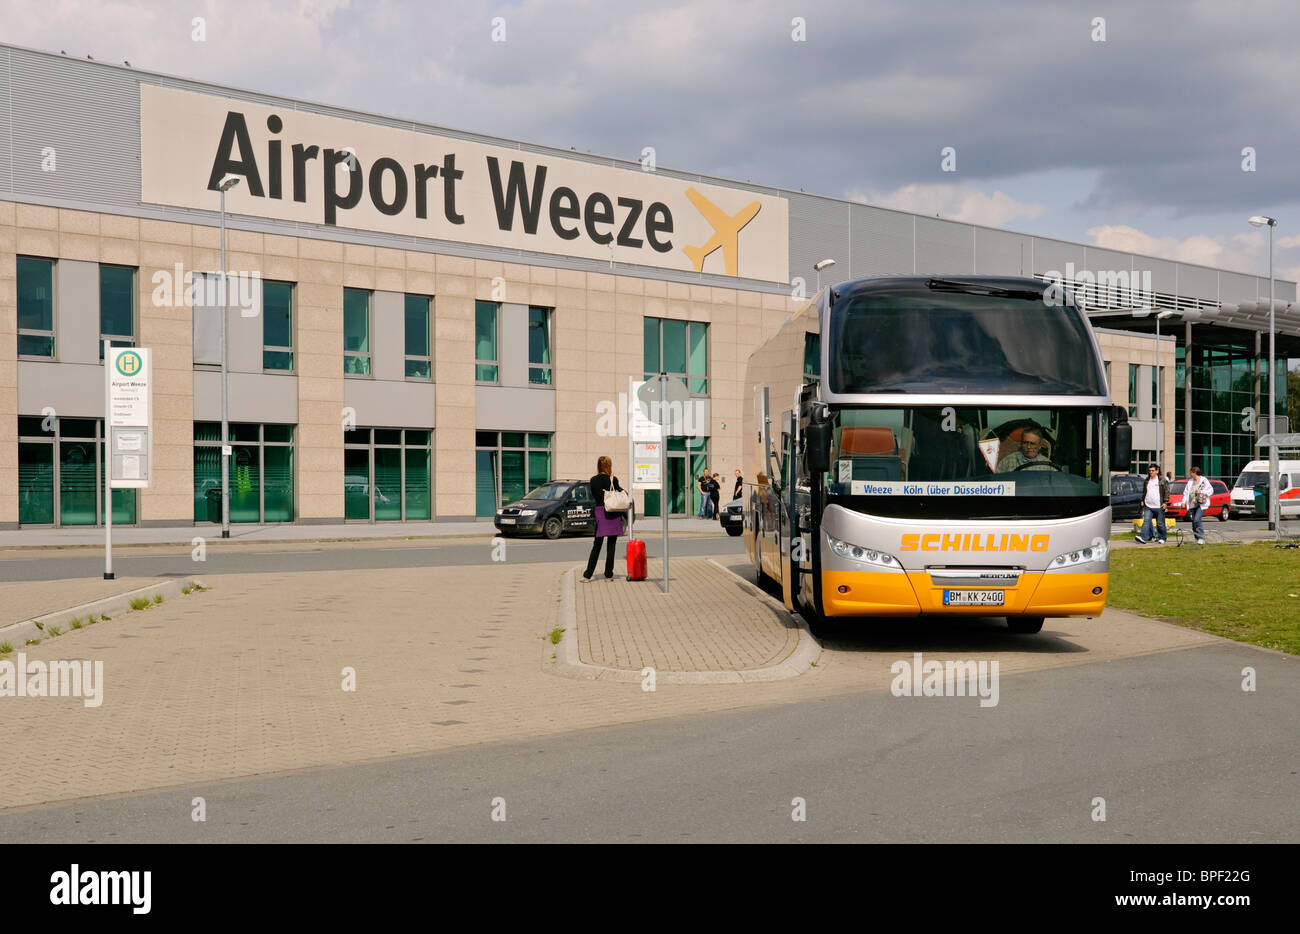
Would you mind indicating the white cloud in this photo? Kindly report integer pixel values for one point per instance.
(1245, 252)
(954, 202)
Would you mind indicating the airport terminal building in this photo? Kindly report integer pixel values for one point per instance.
(425, 323)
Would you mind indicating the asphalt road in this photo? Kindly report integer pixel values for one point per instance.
(48, 564)
(1177, 750)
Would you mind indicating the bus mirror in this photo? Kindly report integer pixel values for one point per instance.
(817, 446)
(1121, 441)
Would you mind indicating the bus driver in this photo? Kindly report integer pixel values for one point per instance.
(1031, 443)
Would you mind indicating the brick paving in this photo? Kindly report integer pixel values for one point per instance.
(24, 600)
(708, 621)
(246, 678)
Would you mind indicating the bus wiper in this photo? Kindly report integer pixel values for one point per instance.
(979, 288)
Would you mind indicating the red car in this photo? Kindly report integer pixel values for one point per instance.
(1218, 502)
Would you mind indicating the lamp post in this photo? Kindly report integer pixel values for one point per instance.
(819, 267)
(227, 183)
(1270, 222)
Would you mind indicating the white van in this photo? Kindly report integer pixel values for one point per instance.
(1243, 494)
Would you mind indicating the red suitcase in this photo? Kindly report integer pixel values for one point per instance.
(635, 559)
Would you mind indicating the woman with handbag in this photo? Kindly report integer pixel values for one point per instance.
(613, 503)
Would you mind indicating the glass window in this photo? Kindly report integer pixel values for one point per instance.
(931, 340)
(116, 306)
(356, 483)
(418, 488)
(277, 325)
(674, 346)
(35, 307)
(1156, 373)
(485, 342)
(650, 328)
(812, 360)
(261, 472)
(35, 483)
(387, 479)
(419, 359)
(505, 470)
(539, 346)
(1132, 390)
(697, 362)
(356, 332)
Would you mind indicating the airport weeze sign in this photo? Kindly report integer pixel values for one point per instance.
(297, 166)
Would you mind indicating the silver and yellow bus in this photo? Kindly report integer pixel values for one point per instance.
(925, 445)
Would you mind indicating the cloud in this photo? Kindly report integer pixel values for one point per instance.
(954, 202)
(1245, 252)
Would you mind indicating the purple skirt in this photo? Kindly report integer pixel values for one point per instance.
(608, 525)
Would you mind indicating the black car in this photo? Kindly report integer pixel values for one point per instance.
(1126, 496)
(732, 516)
(551, 510)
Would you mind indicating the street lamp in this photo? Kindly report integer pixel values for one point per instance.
(819, 267)
(227, 183)
(1261, 221)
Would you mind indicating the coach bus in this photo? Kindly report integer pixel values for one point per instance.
(924, 445)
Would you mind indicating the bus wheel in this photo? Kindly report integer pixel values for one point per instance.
(1027, 625)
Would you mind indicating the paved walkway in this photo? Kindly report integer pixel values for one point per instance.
(247, 678)
(709, 620)
(239, 532)
(25, 600)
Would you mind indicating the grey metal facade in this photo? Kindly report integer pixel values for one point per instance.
(89, 114)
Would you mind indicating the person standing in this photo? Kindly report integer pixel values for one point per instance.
(740, 485)
(1155, 497)
(608, 527)
(702, 485)
(715, 494)
(1197, 497)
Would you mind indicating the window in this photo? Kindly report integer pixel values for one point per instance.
(116, 306)
(387, 475)
(1132, 390)
(485, 343)
(507, 465)
(61, 474)
(540, 370)
(1141, 461)
(35, 307)
(419, 359)
(356, 332)
(260, 472)
(1157, 374)
(812, 358)
(277, 325)
(1107, 377)
(678, 348)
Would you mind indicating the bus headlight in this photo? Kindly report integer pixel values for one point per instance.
(864, 555)
(1094, 552)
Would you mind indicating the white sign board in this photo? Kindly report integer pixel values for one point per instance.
(645, 465)
(129, 410)
(933, 488)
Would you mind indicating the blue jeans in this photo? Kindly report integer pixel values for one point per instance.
(1147, 515)
(1198, 529)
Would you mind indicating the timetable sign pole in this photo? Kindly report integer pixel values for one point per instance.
(128, 421)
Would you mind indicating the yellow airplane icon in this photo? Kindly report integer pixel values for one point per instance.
(726, 231)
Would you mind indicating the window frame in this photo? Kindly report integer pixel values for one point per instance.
(55, 440)
(1134, 374)
(528, 449)
(367, 355)
(690, 374)
(428, 344)
(293, 318)
(119, 340)
(262, 444)
(370, 445)
(34, 332)
(495, 363)
(548, 369)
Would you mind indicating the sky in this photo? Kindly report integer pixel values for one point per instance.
(1120, 124)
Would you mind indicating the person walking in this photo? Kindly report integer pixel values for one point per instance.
(1197, 497)
(608, 527)
(1155, 497)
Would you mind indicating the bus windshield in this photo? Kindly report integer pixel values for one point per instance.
(966, 451)
(942, 341)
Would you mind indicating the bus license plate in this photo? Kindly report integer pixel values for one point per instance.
(974, 597)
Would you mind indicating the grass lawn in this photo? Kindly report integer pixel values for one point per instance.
(1250, 593)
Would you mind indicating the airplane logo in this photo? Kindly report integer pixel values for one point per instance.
(726, 231)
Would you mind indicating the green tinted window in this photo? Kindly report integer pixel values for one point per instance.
(418, 500)
(356, 331)
(650, 330)
(35, 484)
(35, 306)
(277, 325)
(485, 341)
(116, 310)
(674, 360)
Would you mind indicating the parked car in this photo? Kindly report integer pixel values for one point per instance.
(1220, 502)
(733, 517)
(551, 510)
(1126, 496)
